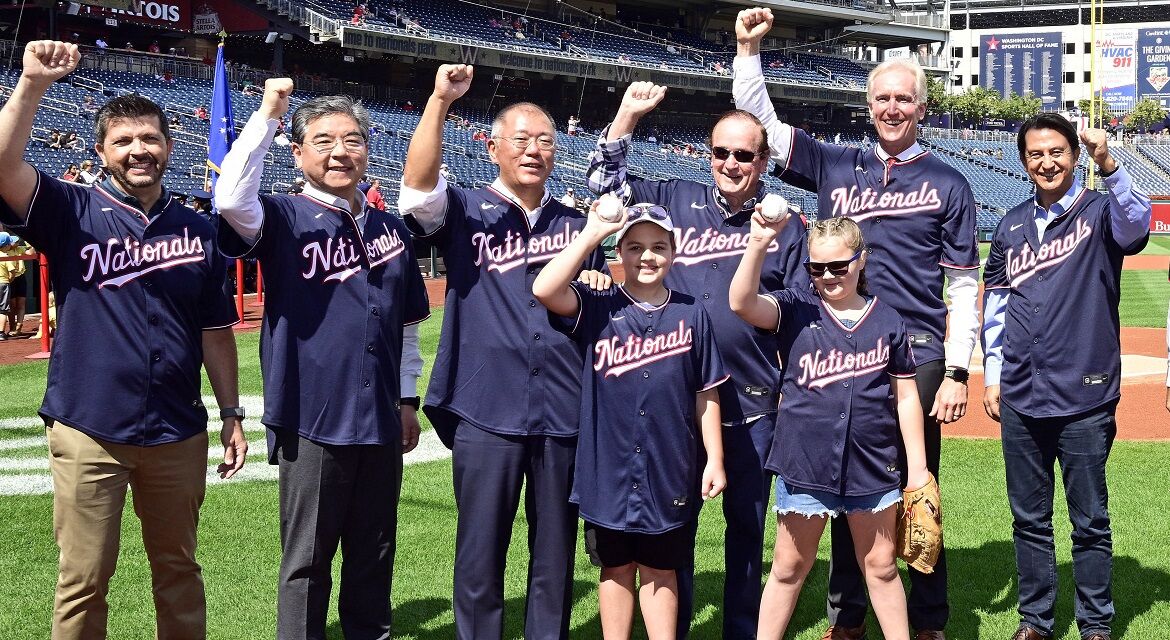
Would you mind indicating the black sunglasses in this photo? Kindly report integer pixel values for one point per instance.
(741, 156)
(836, 268)
(654, 211)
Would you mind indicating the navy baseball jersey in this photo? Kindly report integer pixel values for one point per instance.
(1059, 360)
(710, 242)
(134, 292)
(640, 447)
(838, 430)
(501, 365)
(917, 216)
(339, 291)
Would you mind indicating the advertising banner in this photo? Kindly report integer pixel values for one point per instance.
(1023, 63)
(1153, 65)
(1116, 50)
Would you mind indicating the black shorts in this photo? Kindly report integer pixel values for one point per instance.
(20, 286)
(669, 550)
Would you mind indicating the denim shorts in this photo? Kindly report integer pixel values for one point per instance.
(812, 502)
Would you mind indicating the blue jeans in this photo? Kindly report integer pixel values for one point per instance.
(1081, 444)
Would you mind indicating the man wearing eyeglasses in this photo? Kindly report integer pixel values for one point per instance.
(505, 390)
(339, 352)
(918, 217)
(712, 229)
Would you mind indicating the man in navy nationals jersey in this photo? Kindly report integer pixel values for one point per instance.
(506, 386)
(918, 217)
(143, 301)
(342, 289)
(649, 414)
(1055, 271)
(712, 225)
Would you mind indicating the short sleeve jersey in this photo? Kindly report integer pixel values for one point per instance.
(710, 242)
(638, 454)
(135, 290)
(337, 294)
(501, 365)
(1063, 292)
(838, 431)
(917, 216)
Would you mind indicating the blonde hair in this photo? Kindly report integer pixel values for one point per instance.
(907, 64)
(849, 232)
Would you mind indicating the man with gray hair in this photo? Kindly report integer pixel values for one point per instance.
(918, 217)
(339, 354)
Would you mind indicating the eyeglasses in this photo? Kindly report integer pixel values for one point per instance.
(653, 211)
(836, 268)
(352, 144)
(741, 156)
(544, 143)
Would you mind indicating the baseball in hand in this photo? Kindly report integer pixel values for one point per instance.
(773, 208)
(609, 208)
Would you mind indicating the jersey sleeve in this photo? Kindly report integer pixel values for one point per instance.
(995, 272)
(233, 245)
(806, 162)
(453, 219)
(959, 248)
(786, 301)
(215, 300)
(52, 216)
(709, 369)
(574, 326)
(901, 364)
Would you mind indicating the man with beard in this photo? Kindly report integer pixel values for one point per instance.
(918, 217)
(143, 303)
(712, 227)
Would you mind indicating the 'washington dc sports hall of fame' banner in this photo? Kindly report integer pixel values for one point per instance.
(1153, 65)
(1023, 63)
(1116, 51)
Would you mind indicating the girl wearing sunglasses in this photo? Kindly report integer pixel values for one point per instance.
(649, 409)
(836, 448)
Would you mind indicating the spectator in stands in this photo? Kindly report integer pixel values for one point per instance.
(87, 175)
(72, 173)
(374, 195)
(89, 105)
(339, 449)
(917, 252)
(447, 174)
(154, 48)
(129, 46)
(1062, 412)
(70, 141)
(175, 122)
(101, 45)
(54, 139)
(298, 185)
(569, 200)
(527, 437)
(201, 113)
(479, 136)
(160, 447)
(572, 129)
(704, 269)
(408, 107)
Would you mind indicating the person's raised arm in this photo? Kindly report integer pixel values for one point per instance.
(552, 286)
(747, 85)
(757, 310)
(640, 98)
(425, 153)
(237, 190)
(607, 164)
(45, 62)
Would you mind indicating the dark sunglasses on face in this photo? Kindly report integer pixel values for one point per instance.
(836, 268)
(741, 156)
(650, 211)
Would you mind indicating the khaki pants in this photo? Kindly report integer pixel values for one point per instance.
(90, 477)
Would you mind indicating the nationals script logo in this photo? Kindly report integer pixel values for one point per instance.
(695, 246)
(635, 351)
(1024, 264)
(130, 258)
(819, 369)
(340, 257)
(509, 252)
(868, 203)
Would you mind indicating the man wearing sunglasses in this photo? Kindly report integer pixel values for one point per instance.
(918, 217)
(505, 391)
(712, 228)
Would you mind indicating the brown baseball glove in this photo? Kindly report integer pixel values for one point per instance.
(920, 527)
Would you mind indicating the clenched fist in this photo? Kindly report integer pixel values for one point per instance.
(452, 81)
(1097, 144)
(641, 98)
(751, 25)
(276, 94)
(46, 61)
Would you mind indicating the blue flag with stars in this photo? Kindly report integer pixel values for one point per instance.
(222, 125)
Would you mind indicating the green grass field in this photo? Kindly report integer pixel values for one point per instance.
(239, 546)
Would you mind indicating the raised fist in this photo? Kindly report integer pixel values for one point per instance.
(276, 95)
(46, 61)
(752, 25)
(642, 97)
(452, 81)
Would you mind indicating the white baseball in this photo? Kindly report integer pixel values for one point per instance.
(773, 208)
(609, 209)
